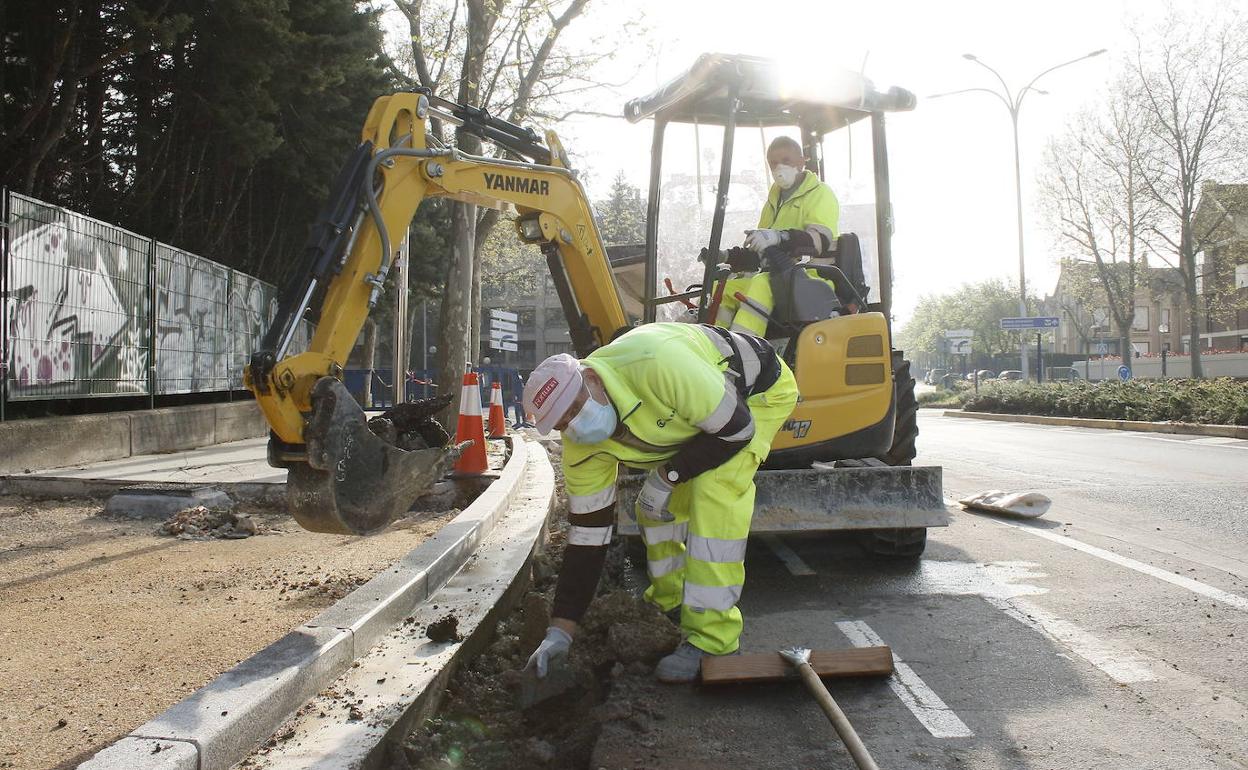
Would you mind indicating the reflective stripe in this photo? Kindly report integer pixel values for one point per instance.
(749, 362)
(722, 598)
(716, 550)
(717, 419)
(661, 567)
(745, 434)
(823, 232)
(719, 342)
(666, 533)
(590, 503)
(579, 535)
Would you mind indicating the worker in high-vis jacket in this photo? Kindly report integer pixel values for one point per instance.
(801, 218)
(697, 407)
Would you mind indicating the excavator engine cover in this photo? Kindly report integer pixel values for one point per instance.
(354, 483)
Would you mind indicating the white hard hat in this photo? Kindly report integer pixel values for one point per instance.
(551, 389)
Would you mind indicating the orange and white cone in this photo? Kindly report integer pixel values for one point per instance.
(498, 421)
(471, 428)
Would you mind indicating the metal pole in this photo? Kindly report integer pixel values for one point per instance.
(1022, 274)
(721, 205)
(4, 301)
(399, 372)
(1039, 360)
(883, 216)
(652, 223)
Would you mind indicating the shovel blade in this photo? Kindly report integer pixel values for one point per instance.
(354, 483)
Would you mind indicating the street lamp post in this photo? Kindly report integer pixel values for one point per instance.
(1013, 103)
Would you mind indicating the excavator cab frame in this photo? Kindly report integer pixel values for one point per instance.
(736, 91)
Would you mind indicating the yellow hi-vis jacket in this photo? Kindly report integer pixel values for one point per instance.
(667, 383)
(812, 205)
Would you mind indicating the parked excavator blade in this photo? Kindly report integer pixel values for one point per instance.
(354, 483)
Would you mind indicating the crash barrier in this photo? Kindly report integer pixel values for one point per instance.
(92, 310)
(222, 722)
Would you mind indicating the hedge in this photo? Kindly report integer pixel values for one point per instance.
(1221, 401)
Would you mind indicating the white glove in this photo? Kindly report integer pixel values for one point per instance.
(554, 647)
(760, 240)
(653, 498)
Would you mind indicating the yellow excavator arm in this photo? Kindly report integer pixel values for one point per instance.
(342, 477)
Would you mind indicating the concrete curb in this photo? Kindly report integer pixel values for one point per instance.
(57, 442)
(1183, 428)
(400, 682)
(51, 487)
(227, 718)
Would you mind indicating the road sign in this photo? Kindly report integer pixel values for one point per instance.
(1102, 349)
(503, 345)
(506, 326)
(501, 334)
(1036, 322)
(957, 334)
(504, 315)
(960, 347)
(1124, 373)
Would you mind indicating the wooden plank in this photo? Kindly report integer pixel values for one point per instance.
(770, 667)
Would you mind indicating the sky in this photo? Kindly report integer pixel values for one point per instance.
(951, 158)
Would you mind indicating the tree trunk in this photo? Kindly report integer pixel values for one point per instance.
(1193, 316)
(453, 350)
(1124, 346)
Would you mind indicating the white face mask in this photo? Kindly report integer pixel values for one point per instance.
(785, 176)
(595, 422)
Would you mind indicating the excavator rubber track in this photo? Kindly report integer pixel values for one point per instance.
(355, 482)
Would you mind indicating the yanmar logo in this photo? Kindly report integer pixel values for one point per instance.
(522, 184)
(544, 392)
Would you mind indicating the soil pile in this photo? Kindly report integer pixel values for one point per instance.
(481, 723)
(201, 523)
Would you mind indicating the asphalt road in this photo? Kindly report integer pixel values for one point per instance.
(1111, 633)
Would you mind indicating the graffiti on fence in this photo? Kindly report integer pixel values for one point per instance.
(253, 303)
(77, 313)
(192, 349)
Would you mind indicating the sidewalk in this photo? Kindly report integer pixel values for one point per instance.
(239, 468)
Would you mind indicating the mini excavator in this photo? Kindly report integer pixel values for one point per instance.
(846, 451)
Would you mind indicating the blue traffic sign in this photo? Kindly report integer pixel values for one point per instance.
(1038, 322)
(1124, 373)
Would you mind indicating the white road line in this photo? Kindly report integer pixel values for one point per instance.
(787, 555)
(1195, 586)
(913, 692)
(1215, 441)
(1123, 666)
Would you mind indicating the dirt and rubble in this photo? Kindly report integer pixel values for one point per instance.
(481, 723)
(106, 621)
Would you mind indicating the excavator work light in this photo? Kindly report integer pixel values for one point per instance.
(531, 230)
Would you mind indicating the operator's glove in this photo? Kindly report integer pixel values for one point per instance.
(653, 498)
(743, 260)
(761, 240)
(553, 648)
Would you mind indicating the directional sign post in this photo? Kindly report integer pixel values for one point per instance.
(504, 330)
(1036, 322)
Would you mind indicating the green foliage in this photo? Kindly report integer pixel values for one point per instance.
(1221, 401)
(975, 306)
(622, 216)
(212, 125)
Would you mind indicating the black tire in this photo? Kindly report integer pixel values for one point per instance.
(901, 543)
(897, 543)
(906, 426)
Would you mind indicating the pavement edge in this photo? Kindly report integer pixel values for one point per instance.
(227, 718)
(1182, 428)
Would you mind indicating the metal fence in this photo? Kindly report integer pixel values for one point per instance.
(93, 310)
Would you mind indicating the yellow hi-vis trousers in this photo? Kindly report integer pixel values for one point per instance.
(697, 560)
(738, 316)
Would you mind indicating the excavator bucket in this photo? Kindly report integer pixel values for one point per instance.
(355, 482)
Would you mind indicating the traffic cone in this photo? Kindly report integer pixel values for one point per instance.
(498, 421)
(470, 428)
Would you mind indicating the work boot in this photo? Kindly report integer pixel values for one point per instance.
(682, 665)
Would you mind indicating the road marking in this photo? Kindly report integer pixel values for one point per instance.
(1217, 441)
(787, 555)
(1123, 666)
(913, 692)
(1195, 586)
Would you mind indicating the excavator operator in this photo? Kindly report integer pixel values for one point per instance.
(800, 218)
(698, 407)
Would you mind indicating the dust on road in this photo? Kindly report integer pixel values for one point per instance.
(106, 622)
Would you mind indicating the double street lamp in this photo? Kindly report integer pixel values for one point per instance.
(1013, 103)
